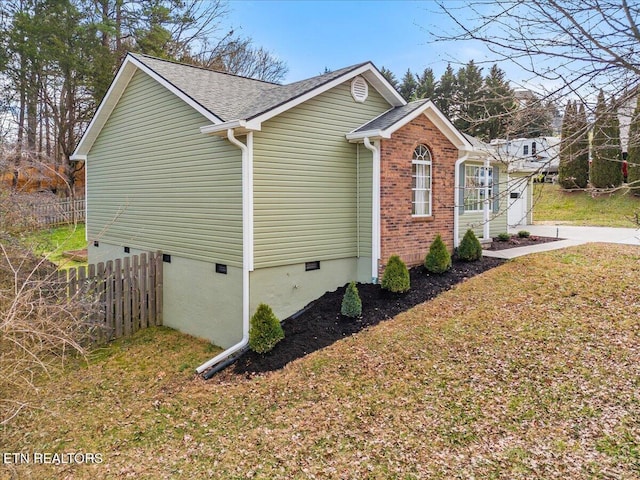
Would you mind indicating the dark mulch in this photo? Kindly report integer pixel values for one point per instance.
(516, 241)
(321, 324)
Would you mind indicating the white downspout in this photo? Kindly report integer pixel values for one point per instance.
(247, 245)
(487, 201)
(456, 193)
(375, 208)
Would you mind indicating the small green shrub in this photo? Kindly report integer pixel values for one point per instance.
(351, 303)
(438, 260)
(470, 248)
(504, 237)
(265, 330)
(396, 276)
(523, 234)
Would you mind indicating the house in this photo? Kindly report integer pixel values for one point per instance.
(527, 159)
(257, 192)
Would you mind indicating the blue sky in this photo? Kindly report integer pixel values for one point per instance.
(311, 35)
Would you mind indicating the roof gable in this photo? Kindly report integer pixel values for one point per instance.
(395, 118)
(224, 99)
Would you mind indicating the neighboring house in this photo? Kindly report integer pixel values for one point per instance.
(527, 159)
(257, 192)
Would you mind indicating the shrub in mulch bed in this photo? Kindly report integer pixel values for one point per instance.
(321, 324)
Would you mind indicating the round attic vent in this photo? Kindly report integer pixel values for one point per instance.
(359, 89)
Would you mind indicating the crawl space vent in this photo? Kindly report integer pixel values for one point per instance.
(359, 89)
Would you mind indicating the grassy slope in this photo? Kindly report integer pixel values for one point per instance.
(52, 242)
(618, 209)
(531, 370)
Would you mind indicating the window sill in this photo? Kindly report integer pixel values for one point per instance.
(422, 218)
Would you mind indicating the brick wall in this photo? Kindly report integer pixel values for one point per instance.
(401, 234)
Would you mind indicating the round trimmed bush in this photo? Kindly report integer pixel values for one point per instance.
(438, 260)
(265, 330)
(396, 276)
(470, 248)
(524, 234)
(351, 303)
(503, 237)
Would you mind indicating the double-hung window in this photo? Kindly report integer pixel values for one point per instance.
(421, 182)
(478, 187)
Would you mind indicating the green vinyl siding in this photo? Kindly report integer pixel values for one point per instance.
(305, 180)
(155, 182)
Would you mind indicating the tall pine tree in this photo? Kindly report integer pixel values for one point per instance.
(426, 84)
(606, 169)
(499, 104)
(470, 82)
(408, 86)
(391, 78)
(566, 177)
(445, 93)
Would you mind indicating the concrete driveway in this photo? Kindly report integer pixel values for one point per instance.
(572, 235)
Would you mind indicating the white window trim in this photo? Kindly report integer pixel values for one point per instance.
(429, 187)
(479, 205)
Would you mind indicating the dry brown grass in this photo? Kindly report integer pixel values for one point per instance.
(531, 370)
(39, 328)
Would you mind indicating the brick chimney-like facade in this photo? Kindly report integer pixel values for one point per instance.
(401, 233)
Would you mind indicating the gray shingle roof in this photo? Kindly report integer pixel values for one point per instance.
(231, 97)
(390, 117)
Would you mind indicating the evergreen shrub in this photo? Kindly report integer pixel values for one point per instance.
(265, 330)
(396, 276)
(438, 260)
(351, 303)
(470, 248)
(504, 237)
(524, 234)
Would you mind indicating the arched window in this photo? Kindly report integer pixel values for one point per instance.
(421, 182)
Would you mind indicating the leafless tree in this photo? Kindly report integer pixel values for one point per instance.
(575, 47)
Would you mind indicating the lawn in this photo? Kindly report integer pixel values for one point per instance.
(52, 242)
(530, 370)
(553, 204)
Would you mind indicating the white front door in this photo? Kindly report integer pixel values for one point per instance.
(518, 213)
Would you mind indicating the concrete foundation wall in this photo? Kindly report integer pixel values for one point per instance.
(290, 288)
(197, 300)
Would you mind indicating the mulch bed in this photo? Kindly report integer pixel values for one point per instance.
(321, 324)
(516, 241)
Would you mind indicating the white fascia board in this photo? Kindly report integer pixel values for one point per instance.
(367, 70)
(358, 137)
(109, 102)
(250, 126)
(78, 158)
(175, 90)
(382, 85)
(113, 95)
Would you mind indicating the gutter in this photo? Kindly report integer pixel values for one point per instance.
(247, 245)
(375, 207)
(456, 190)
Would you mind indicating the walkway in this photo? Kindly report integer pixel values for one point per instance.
(572, 235)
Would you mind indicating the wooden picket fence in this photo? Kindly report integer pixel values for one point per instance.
(125, 295)
(59, 212)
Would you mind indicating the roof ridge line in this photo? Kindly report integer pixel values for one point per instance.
(200, 67)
